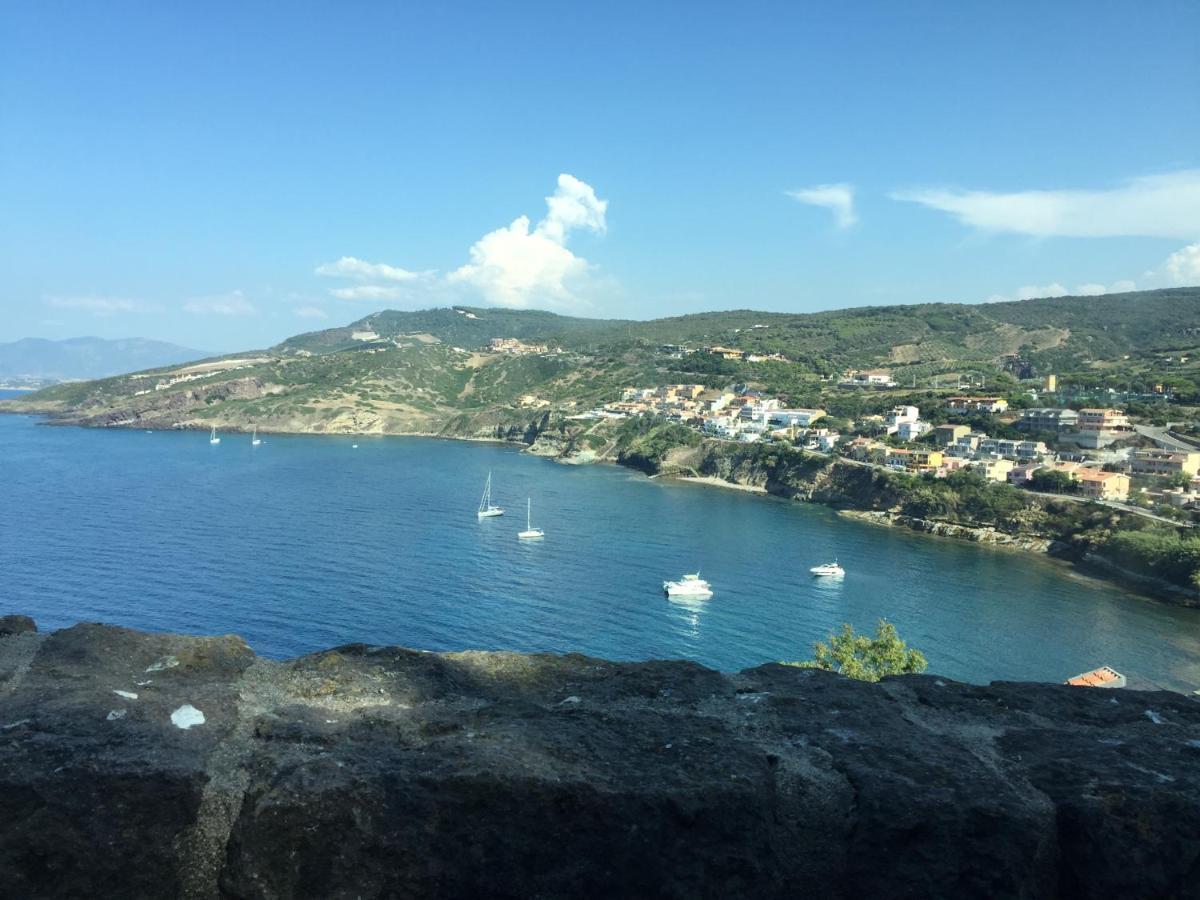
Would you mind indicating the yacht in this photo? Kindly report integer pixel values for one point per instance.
(831, 569)
(530, 533)
(486, 509)
(254, 439)
(688, 586)
(212, 437)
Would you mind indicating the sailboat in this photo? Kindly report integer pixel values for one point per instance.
(254, 440)
(486, 509)
(212, 437)
(530, 533)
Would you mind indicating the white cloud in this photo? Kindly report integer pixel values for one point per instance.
(837, 198)
(1151, 206)
(101, 307)
(310, 312)
(1180, 268)
(1183, 266)
(361, 270)
(1029, 291)
(232, 304)
(517, 267)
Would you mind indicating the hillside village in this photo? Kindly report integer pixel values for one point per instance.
(1089, 452)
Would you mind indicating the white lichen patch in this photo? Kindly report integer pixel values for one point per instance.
(187, 716)
(115, 714)
(128, 695)
(164, 662)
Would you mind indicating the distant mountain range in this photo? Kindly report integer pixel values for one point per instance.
(41, 360)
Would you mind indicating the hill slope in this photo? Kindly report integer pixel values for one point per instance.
(430, 371)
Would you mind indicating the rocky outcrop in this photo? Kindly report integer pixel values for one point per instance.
(151, 765)
(979, 534)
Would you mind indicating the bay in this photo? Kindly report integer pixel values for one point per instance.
(307, 542)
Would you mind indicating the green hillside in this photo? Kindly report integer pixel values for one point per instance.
(396, 371)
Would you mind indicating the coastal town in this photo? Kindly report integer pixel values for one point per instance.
(1091, 453)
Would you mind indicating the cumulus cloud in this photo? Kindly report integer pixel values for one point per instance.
(310, 312)
(1180, 268)
(100, 307)
(232, 304)
(1183, 266)
(837, 198)
(361, 270)
(1165, 205)
(518, 266)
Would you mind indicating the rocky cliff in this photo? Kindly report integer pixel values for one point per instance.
(153, 765)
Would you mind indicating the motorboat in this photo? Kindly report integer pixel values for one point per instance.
(692, 586)
(829, 569)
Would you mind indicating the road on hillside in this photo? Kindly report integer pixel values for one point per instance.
(1163, 438)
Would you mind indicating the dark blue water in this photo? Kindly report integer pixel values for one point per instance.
(305, 542)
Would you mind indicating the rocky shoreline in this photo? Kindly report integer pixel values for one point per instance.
(158, 765)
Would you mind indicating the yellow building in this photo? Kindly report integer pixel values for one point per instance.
(1052, 383)
(1101, 485)
(1164, 462)
(994, 469)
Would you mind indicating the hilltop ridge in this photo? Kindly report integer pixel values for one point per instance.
(433, 371)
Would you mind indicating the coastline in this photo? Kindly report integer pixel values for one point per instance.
(1091, 566)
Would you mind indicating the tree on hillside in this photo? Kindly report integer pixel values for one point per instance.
(866, 658)
(1053, 481)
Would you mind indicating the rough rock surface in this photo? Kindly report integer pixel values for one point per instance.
(384, 772)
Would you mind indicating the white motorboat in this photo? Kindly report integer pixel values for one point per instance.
(530, 533)
(212, 437)
(486, 508)
(254, 439)
(829, 569)
(692, 586)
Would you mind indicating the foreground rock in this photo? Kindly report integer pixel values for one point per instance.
(145, 765)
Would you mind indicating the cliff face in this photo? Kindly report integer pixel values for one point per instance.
(150, 765)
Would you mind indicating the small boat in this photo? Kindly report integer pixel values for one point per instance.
(692, 586)
(486, 509)
(830, 569)
(254, 439)
(212, 437)
(530, 533)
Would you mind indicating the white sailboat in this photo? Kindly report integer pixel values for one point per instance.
(212, 437)
(254, 440)
(530, 533)
(486, 509)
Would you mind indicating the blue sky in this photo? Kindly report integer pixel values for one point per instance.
(224, 175)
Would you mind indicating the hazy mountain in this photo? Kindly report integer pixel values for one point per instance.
(87, 357)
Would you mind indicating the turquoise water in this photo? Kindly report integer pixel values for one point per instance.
(305, 542)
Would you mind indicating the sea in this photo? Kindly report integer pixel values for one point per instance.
(309, 542)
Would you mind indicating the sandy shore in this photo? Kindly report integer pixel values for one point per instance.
(713, 481)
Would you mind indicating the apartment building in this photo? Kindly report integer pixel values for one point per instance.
(1164, 463)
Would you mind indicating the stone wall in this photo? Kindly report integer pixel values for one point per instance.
(153, 765)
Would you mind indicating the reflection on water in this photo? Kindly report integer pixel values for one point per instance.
(687, 614)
